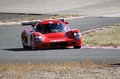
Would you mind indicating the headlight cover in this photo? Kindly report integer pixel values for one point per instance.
(77, 35)
(38, 38)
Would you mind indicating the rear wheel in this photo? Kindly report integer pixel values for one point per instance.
(77, 47)
(23, 42)
(32, 43)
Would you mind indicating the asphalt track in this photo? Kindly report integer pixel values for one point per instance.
(11, 47)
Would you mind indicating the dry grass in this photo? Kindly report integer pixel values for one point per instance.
(67, 70)
(105, 37)
(23, 17)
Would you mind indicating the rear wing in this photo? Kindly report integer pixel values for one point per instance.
(35, 22)
(29, 23)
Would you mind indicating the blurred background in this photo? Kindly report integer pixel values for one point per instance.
(82, 7)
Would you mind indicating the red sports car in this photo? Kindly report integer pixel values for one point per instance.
(46, 34)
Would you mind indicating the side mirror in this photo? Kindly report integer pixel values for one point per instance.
(66, 22)
(33, 25)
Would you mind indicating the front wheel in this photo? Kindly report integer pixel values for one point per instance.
(77, 47)
(24, 46)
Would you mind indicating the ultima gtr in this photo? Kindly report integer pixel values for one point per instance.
(46, 34)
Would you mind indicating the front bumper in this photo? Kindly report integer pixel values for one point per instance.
(45, 45)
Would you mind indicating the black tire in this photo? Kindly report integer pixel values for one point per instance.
(32, 43)
(23, 43)
(77, 47)
(26, 47)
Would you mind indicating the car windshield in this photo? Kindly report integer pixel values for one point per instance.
(51, 28)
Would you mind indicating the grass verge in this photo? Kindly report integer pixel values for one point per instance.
(109, 36)
(67, 70)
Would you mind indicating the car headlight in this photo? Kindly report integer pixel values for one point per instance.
(38, 38)
(77, 36)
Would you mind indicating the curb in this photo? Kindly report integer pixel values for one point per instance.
(94, 30)
(99, 47)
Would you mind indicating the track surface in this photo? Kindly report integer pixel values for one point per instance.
(11, 48)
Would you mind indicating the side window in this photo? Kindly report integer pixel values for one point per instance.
(38, 28)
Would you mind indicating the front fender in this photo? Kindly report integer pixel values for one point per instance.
(76, 30)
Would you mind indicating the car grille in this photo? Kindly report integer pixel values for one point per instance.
(61, 44)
